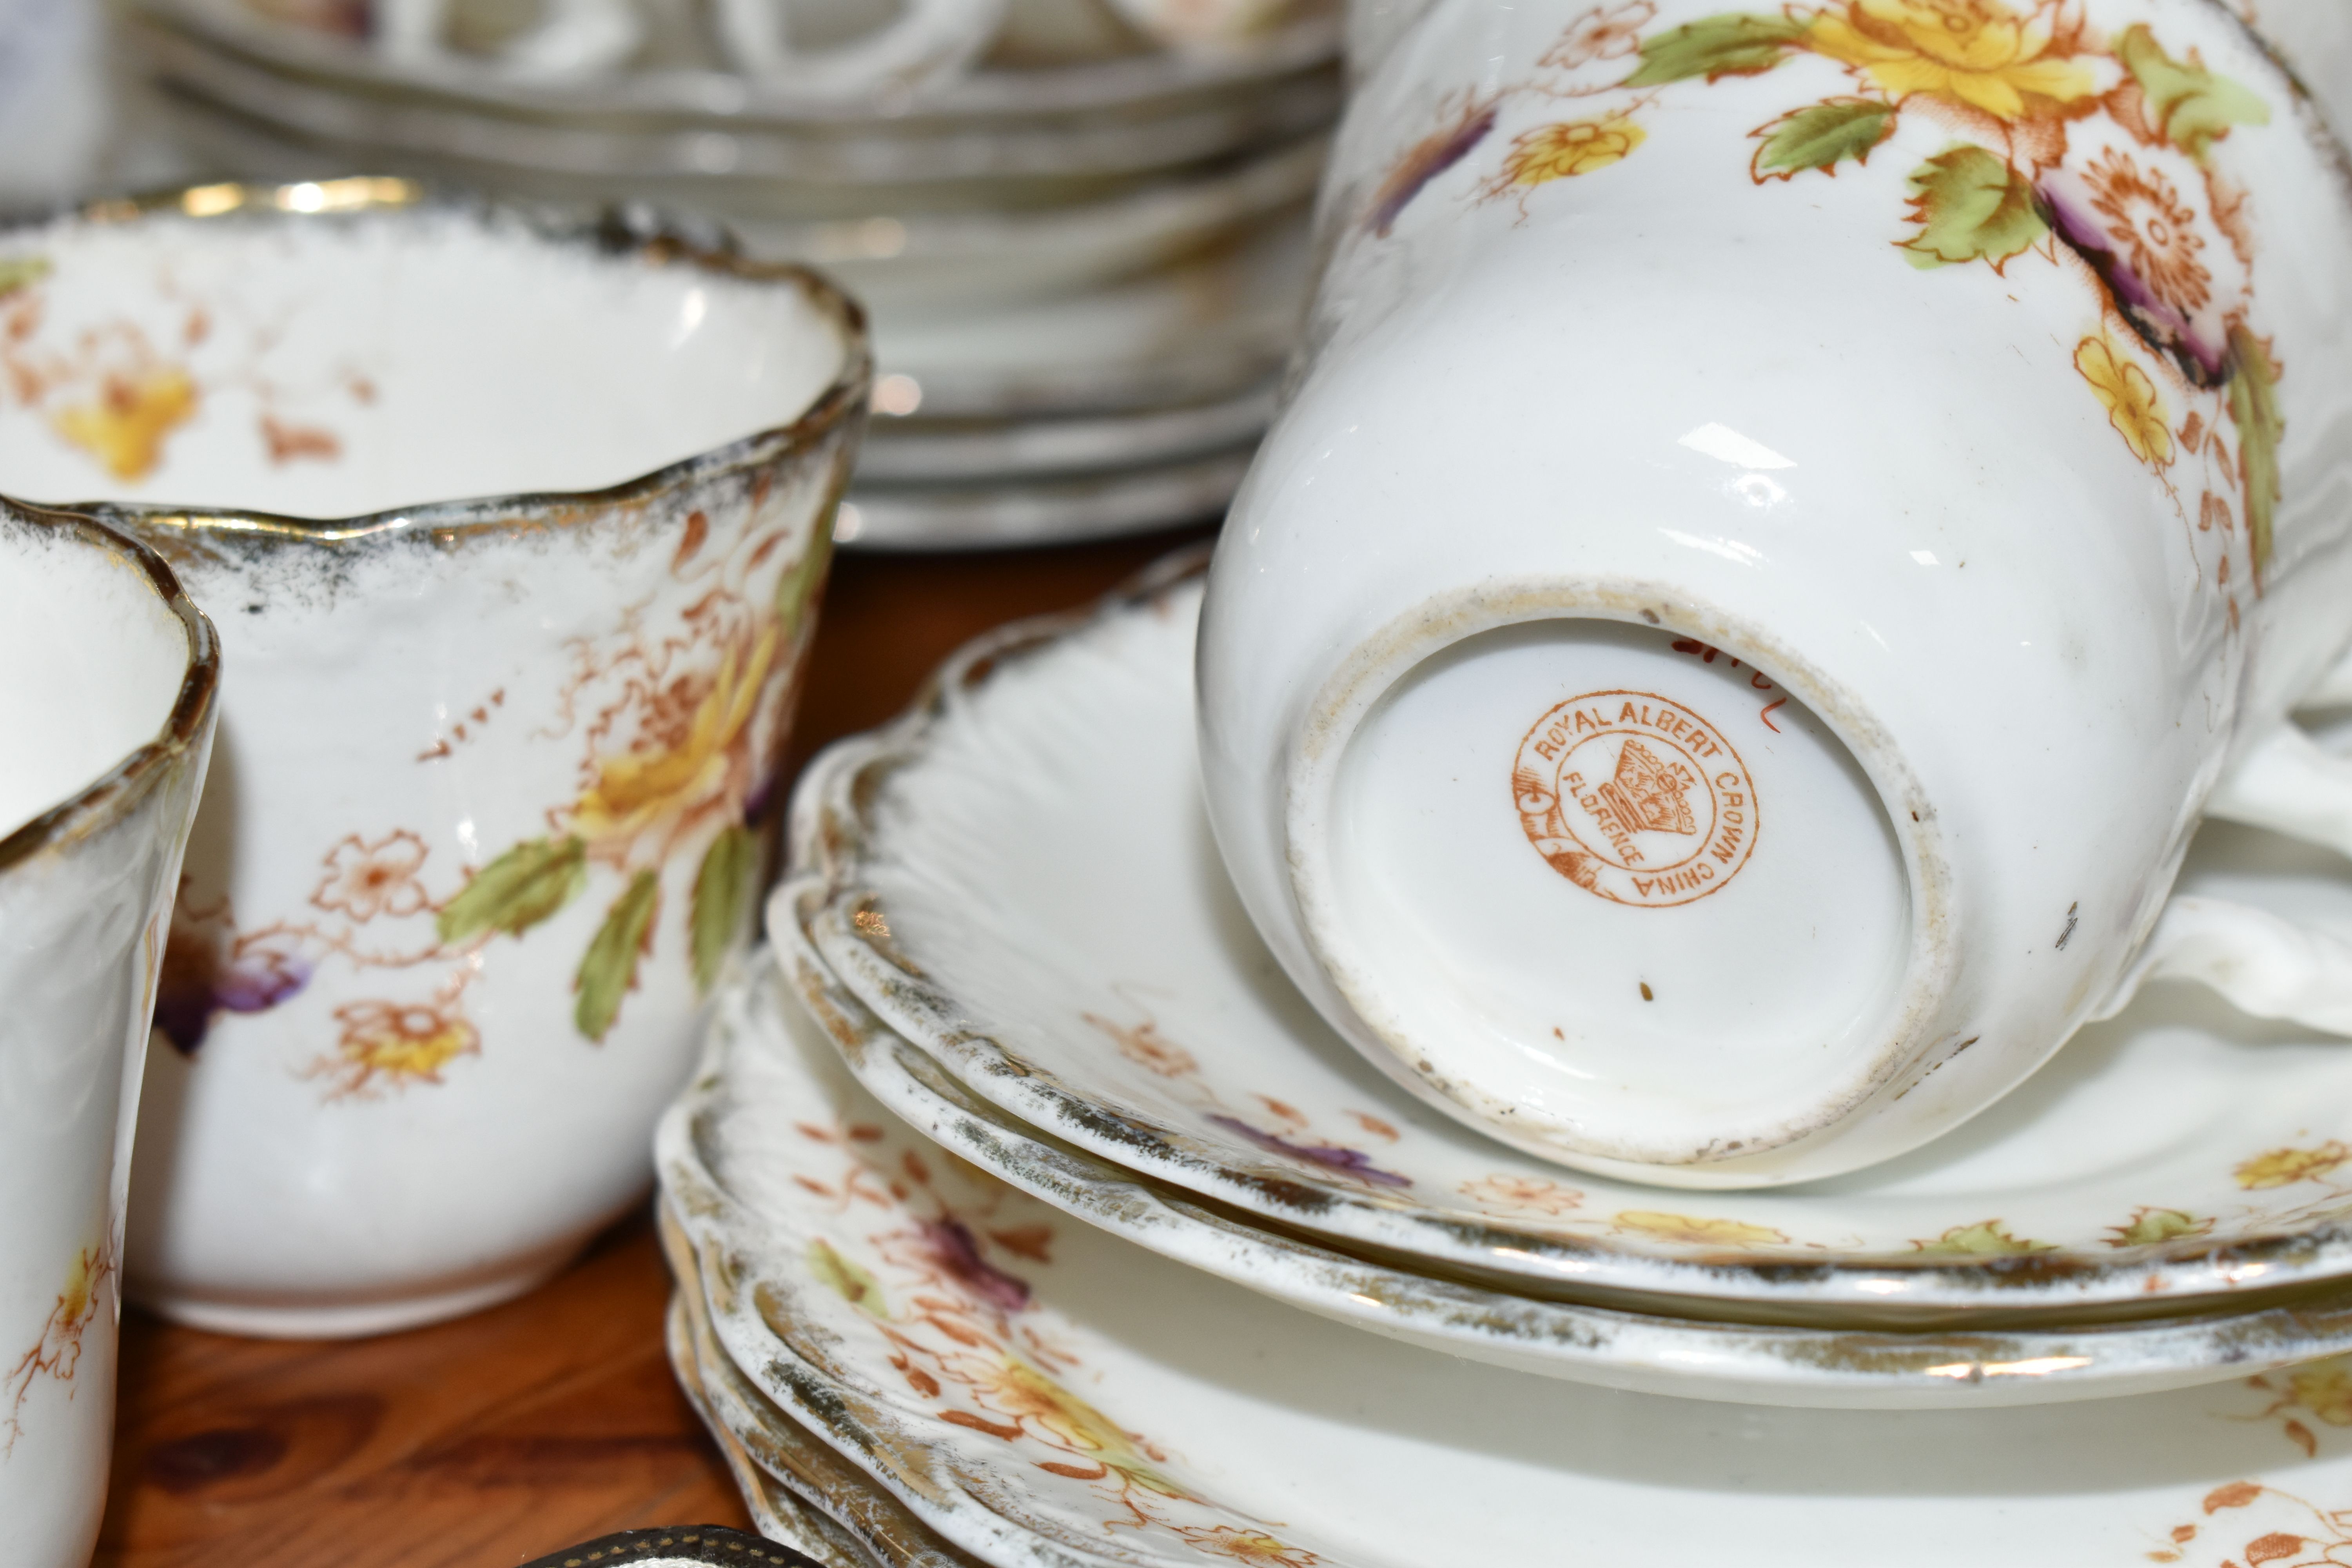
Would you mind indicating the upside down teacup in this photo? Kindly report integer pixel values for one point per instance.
(492, 804)
(107, 683)
(1788, 521)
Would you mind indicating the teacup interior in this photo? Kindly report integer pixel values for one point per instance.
(1623, 878)
(336, 366)
(92, 660)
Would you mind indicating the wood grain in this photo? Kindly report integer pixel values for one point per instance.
(494, 1440)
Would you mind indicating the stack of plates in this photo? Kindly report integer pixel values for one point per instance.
(1113, 411)
(1084, 276)
(997, 1202)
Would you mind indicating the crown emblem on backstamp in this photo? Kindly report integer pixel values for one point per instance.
(1636, 798)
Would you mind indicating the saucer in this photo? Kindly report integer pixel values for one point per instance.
(814, 168)
(1023, 885)
(237, 30)
(1212, 326)
(1043, 509)
(903, 452)
(1042, 1395)
(1836, 1367)
(799, 1491)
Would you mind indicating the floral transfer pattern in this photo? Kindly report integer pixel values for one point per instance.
(2288, 1530)
(2320, 1389)
(1545, 1206)
(2089, 153)
(674, 719)
(120, 391)
(2116, 1486)
(1270, 1124)
(933, 1268)
(57, 1355)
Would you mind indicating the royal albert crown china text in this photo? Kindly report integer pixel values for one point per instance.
(1039, 1394)
(488, 813)
(108, 681)
(1789, 518)
(1018, 881)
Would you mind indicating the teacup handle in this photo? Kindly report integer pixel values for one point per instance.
(928, 39)
(574, 38)
(2261, 963)
(2334, 688)
(2287, 784)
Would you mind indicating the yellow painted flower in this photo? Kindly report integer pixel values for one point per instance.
(1699, 1232)
(1251, 1546)
(124, 430)
(1974, 52)
(403, 1042)
(1022, 1392)
(2325, 1388)
(79, 1299)
(684, 771)
(1570, 148)
(2129, 398)
(2283, 1167)
(57, 1354)
(1035, 1401)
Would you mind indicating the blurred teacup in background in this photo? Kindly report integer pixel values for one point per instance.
(1080, 225)
(1789, 521)
(108, 681)
(489, 813)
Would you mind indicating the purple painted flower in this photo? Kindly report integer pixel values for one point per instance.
(954, 1250)
(2146, 220)
(1427, 159)
(1330, 1156)
(204, 975)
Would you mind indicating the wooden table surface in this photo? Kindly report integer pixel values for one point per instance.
(492, 1440)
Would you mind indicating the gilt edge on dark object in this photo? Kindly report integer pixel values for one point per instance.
(676, 1543)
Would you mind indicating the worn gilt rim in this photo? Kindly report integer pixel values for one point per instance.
(1834, 1365)
(843, 399)
(118, 791)
(829, 827)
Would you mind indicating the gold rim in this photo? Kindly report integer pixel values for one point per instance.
(842, 400)
(118, 791)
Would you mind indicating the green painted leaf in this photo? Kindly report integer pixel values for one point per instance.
(722, 888)
(2191, 106)
(609, 971)
(21, 271)
(1986, 1238)
(1733, 44)
(797, 585)
(2150, 1226)
(517, 890)
(1971, 206)
(846, 1280)
(1820, 135)
(2254, 409)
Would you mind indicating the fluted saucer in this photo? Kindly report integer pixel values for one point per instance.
(1018, 879)
(1035, 1393)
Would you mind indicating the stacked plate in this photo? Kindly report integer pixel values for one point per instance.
(1020, 1203)
(1082, 241)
